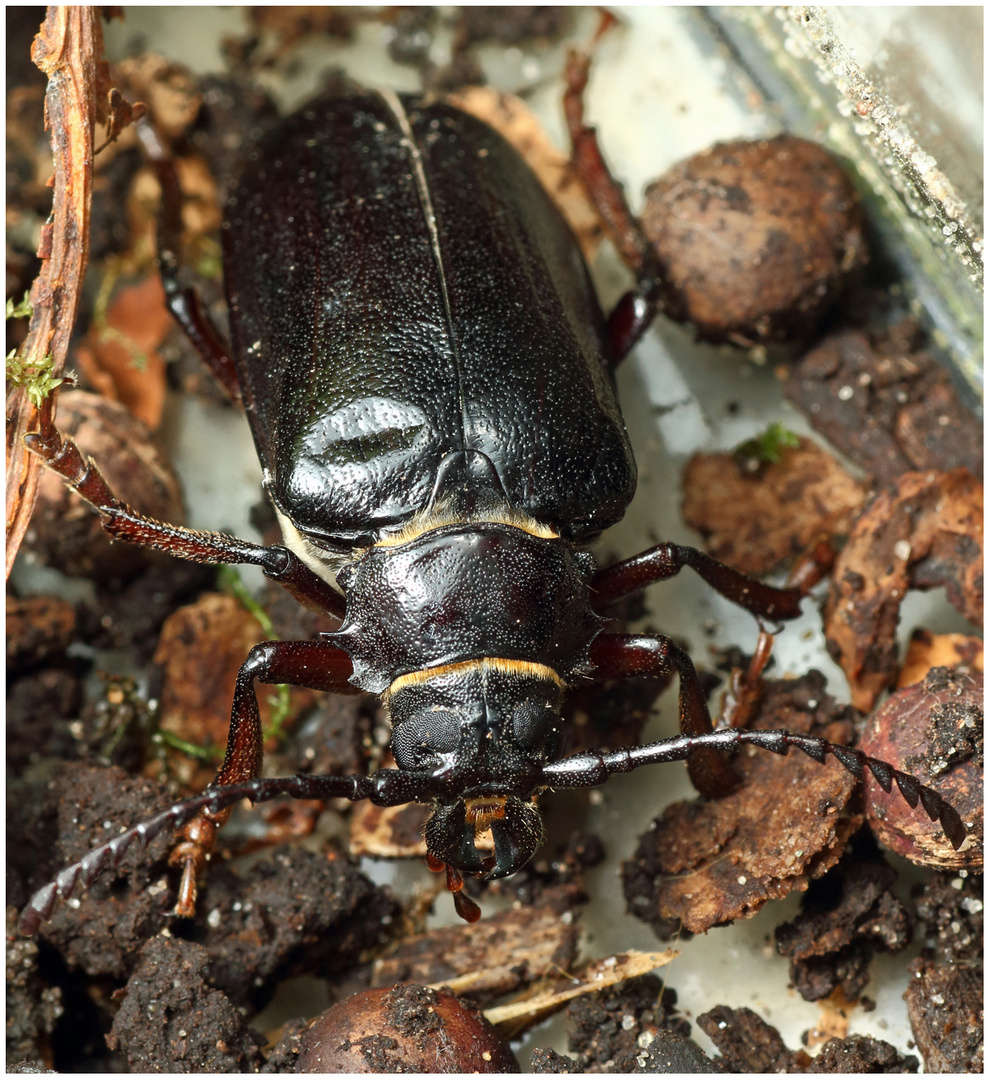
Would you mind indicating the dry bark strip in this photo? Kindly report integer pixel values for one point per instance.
(68, 50)
(923, 532)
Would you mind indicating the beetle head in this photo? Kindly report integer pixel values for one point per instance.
(484, 728)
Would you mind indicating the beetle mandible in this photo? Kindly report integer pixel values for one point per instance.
(428, 378)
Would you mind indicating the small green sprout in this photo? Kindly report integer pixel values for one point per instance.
(766, 448)
(209, 754)
(23, 310)
(209, 260)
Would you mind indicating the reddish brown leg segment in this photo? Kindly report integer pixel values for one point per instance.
(746, 686)
(317, 665)
(624, 656)
(184, 303)
(635, 311)
(665, 560)
(122, 523)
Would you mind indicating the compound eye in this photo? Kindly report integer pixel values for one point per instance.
(532, 723)
(420, 741)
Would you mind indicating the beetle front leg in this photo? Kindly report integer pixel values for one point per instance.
(122, 523)
(625, 656)
(316, 665)
(665, 560)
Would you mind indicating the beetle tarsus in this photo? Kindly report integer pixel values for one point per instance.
(192, 853)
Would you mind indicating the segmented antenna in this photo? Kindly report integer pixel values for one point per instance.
(591, 769)
(82, 874)
(389, 786)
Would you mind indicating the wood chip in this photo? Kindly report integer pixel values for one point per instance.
(592, 977)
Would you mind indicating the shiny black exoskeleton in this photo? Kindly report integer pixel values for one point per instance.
(428, 378)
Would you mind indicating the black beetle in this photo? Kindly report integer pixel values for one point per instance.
(427, 375)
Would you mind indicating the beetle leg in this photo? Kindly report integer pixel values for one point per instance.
(746, 686)
(624, 656)
(183, 302)
(122, 523)
(665, 560)
(313, 664)
(634, 311)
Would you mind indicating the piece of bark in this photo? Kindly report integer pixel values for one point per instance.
(68, 49)
(501, 954)
(945, 1006)
(845, 917)
(759, 521)
(886, 405)
(704, 863)
(747, 1043)
(923, 532)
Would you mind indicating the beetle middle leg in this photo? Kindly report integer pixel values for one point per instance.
(709, 771)
(316, 665)
(624, 656)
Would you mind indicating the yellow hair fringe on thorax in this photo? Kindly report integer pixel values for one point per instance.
(493, 663)
(437, 519)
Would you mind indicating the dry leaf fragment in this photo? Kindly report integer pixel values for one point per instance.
(120, 358)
